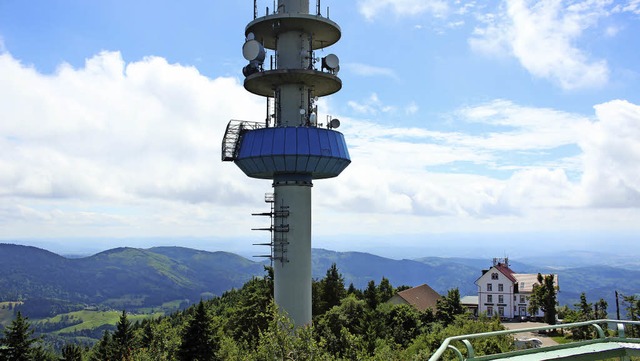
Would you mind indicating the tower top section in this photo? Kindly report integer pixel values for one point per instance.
(283, 67)
(323, 31)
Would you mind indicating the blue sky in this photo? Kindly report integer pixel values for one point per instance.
(476, 127)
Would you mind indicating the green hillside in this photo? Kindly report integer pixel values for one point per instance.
(168, 278)
(121, 278)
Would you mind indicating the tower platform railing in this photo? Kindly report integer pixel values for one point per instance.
(233, 135)
(600, 348)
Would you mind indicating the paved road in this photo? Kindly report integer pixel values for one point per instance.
(546, 340)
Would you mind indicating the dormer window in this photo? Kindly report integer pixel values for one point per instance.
(494, 276)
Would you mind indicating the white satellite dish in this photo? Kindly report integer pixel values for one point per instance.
(302, 111)
(334, 123)
(252, 50)
(250, 36)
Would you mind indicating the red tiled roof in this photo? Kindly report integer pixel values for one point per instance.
(506, 271)
(421, 297)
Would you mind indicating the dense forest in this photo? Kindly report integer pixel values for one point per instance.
(244, 324)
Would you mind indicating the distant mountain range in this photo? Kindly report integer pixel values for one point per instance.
(136, 278)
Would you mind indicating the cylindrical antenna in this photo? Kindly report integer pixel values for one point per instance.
(318, 7)
(255, 9)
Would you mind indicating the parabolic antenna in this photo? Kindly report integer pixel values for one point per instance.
(334, 123)
(330, 61)
(252, 50)
(250, 36)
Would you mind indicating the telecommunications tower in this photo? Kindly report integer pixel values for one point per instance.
(291, 146)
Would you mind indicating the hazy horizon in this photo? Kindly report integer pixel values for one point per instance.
(482, 246)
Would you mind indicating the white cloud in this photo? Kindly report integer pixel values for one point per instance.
(392, 166)
(371, 9)
(370, 106)
(411, 109)
(612, 156)
(115, 149)
(542, 35)
(520, 128)
(632, 6)
(129, 136)
(370, 70)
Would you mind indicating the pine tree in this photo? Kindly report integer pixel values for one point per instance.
(199, 340)
(633, 313)
(332, 288)
(18, 340)
(371, 295)
(584, 313)
(103, 350)
(601, 309)
(71, 352)
(123, 338)
(385, 290)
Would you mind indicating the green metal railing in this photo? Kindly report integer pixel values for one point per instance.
(535, 354)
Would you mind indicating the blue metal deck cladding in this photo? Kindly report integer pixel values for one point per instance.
(292, 150)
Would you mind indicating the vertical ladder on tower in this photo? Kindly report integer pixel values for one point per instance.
(278, 229)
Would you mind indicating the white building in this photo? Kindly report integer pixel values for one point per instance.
(504, 292)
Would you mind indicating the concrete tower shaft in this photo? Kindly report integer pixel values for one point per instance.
(290, 148)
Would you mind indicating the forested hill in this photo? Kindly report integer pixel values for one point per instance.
(135, 278)
(121, 277)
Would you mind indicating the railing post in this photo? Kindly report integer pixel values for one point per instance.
(620, 329)
(455, 349)
(599, 330)
(470, 353)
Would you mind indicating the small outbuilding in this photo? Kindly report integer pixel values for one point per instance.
(421, 297)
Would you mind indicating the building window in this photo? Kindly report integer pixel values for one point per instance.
(500, 287)
(489, 311)
(489, 287)
(494, 276)
(514, 298)
(501, 311)
(521, 298)
(500, 299)
(489, 298)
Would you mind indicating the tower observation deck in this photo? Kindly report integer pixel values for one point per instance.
(290, 147)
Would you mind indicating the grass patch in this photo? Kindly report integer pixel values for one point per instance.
(561, 339)
(94, 319)
(6, 312)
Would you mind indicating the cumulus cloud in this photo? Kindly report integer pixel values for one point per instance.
(371, 9)
(113, 133)
(133, 148)
(612, 156)
(543, 36)
(413, 171)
